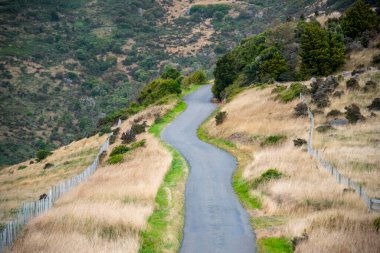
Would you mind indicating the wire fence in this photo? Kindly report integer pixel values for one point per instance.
(373, 204)
(32, 209)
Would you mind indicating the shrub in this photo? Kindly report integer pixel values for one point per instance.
(121, 149)
(48, 165)
(115, 133)
(376, 224)
(299, 142)
(104, 130)
(353, 114)
(294, 90)
(138, 144)
(129, 136)
(220, 117)
(324, 128)
(267, 176)
(352, 84)
(300, 110)
(115, 159)
(272, 140)
(376, 59)
(22, 167)
(170, 73)
(157, 90)
(139, 128)
(375, 105)
(199, 77)
(370, 86)
(42, 154)
(334, 113)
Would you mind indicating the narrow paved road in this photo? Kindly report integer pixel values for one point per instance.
(215, 221)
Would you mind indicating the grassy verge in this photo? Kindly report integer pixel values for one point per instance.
(274, 245)
(164, 231)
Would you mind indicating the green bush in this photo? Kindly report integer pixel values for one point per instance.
(157, 90)
(115, 159)
(220, 117)
(22, 167)
(272, 140)
(292, 92)
(376, 224)
(268, 175)
(48, 165)
(138, 144)
(42, 154)
(121, 149)
(170, 73)
(105, 130)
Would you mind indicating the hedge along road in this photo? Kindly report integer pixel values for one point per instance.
(215, 221)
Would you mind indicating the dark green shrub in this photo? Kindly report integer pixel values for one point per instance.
(353, 114)
(324, 128)
(42, 154)
(158, 89)
(22, 167)
(273, 140)
(352, 84)
(48, 165)
(170, 73)
(138, 144)
(115, 133)
(376, 224)
(128, 137)
(299, 142)
(376, 59)
(334, 113)
(375, 105)
(139, 128)
(370, 86)
(105, 130)
(267, 176)
(301, 110)
(115, 159)
(121, 149)
(220, 117)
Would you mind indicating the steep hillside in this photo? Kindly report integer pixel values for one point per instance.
(90, 58)
(291, 198)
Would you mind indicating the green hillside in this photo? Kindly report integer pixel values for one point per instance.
(65, 65)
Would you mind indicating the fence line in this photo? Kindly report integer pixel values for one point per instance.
(372, 203)
(29, 210)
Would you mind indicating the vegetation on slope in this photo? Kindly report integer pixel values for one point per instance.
(91, 58)
(295, 50)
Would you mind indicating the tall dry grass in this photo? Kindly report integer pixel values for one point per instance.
(17, 186)
(109, 211)
(306, 198)
(354, 148)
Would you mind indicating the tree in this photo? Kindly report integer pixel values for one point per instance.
(170, 73)
(321, 52)
(224, 73)
(358, 19)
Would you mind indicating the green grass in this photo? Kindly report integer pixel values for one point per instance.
(274, 245)
(273, 140)
(115, 159)
(268, 175)
(22, 167)
(291, 93)
(260, 222)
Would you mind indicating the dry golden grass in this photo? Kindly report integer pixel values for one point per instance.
(354, 148)
(17, 186)
(306, 197)
(109, 211)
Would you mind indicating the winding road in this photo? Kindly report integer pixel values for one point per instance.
(215, 221)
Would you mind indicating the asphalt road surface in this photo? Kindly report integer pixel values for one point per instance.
(215, 221)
